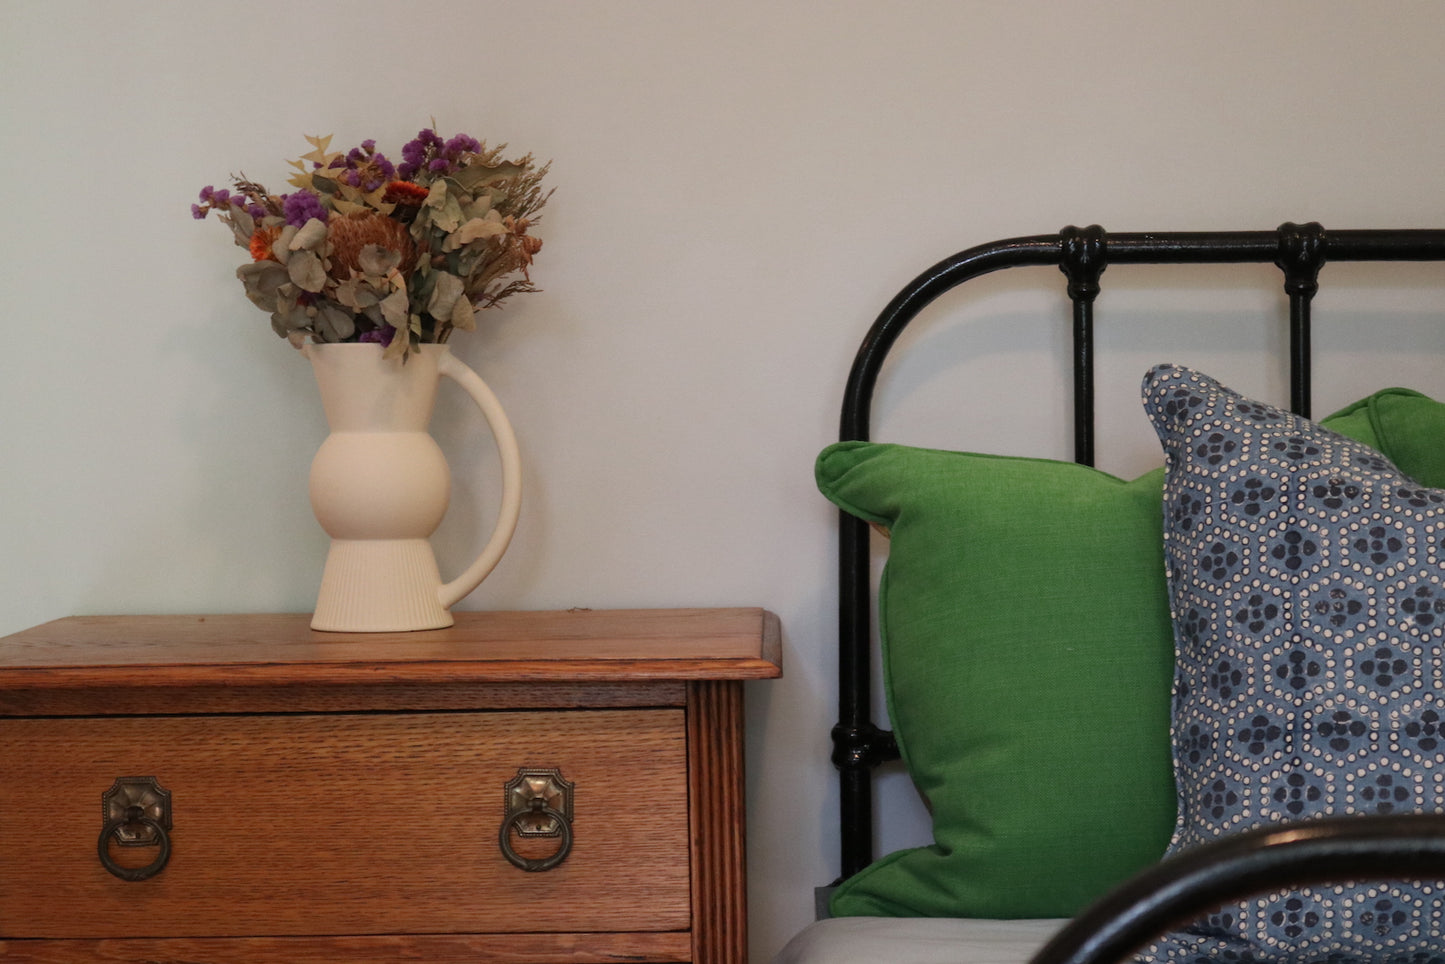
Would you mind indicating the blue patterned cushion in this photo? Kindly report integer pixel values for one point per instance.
(1307, 586)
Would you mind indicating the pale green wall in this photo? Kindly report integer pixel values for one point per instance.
(741, 186)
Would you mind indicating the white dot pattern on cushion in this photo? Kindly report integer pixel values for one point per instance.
(1307, 588)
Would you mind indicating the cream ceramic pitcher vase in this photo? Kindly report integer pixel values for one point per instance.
(380, 486)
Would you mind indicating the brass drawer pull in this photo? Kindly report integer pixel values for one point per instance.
(131, 821)
(137, 813)
(538, 804)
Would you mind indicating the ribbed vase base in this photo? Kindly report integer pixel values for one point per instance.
(379, 586)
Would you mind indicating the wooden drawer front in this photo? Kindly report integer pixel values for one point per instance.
(345, 824)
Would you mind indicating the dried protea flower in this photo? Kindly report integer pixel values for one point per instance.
(350, 233)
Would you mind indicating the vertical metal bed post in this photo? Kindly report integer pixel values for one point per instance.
(1082, 259)
(858, 744)
(1301, 255)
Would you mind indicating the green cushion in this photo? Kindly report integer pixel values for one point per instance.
(1405, 425)
(1028, 657)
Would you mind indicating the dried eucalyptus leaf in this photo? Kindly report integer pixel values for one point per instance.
(288, 296)
(436, 194)
(480, 208)
(334, 324)
(310, 236)
(400, 345)
(262, 280)
(393, 309)
(290, 318)
(306, 271)
(322, 184)
(355, 293)
(281, 247)
(445, 211)
(474, 230)
(464, 316)
(475, 177)
(375, 259)
(242, 226)
(422, 284)
(445, 293)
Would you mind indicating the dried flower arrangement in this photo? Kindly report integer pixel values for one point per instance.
(364, 249)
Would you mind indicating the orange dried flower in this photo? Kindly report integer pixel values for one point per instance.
(405, 192)
(261, 241)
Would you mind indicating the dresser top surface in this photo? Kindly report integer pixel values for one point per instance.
(579, 644)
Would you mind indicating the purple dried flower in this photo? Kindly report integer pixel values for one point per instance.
(422, 153)
(206, 193)
(364, 168)
(462, 143)
(301, 207)
(381, 336)
(198, 212)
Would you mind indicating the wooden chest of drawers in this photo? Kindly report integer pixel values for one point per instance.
(521, 787)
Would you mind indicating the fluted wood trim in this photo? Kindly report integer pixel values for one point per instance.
(715, 787)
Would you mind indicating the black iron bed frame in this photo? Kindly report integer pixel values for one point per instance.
(1082, 254)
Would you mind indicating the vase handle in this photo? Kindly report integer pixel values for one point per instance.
(453, 592)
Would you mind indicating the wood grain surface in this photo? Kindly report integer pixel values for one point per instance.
(640, 948)
(496, 646)
(337, 797)
(346, 824)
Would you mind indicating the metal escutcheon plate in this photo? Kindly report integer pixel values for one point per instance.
(538, 804)
(145, 793)
(546, 785)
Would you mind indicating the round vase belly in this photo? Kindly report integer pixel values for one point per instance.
(380, 484)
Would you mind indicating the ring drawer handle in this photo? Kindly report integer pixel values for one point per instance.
(538, 803)
(135, 812)
(132, 818)
(537, 808)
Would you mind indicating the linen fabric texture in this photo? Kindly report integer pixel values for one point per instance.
(1306, 577)
(1027, 659)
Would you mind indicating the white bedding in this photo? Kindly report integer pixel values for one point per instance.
(917, 940)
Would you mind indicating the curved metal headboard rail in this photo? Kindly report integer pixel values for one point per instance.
(1082, 254)
(1186, 887)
